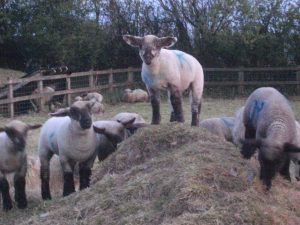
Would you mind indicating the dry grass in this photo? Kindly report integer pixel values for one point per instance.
(7, 73)
(168, 174)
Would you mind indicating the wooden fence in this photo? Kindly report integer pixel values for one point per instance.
(221, 77)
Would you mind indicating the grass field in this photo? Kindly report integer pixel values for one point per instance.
(179, 175)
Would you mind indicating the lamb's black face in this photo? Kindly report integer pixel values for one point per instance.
(17, 138)
(82, 115)
(148, 53)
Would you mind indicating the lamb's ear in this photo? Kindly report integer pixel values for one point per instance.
(134, 127)
(166, 42)
(99, 130)
(288, 147)
(127, 123)
(61, 112)
(33, 126)
(133, 41)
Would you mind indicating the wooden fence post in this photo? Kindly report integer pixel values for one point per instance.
(11, 98)
(91, 80)
(130, 76)
(241, 82)
(298, 82)
(111, 80)
(41, 100)
(68, 80)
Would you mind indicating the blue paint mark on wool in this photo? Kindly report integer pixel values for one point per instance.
(181, 58)
(51, 136)
(147, 79)
(228, 121)
(256, 109)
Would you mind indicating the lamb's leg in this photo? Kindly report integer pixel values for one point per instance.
(45, 157)
(4, 188)
(249, 145)
(285, 170)
(172, 116)
(196, 91)
(20, 184)
(176, 101)
(155, 102)
(85, 173)
(68, 168)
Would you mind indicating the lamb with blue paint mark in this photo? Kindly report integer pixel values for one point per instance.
(221, 127)
(13, 159)
(70, 135)
(270, 127)
(173, 70)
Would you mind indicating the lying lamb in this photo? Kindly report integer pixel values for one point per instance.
(269, 126)
(93, 96)
(47, 99)
(137, 95)
(14, 160)
(71, 136)
(173, 70)
(221, 127)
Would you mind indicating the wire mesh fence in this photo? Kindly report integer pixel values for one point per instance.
(39, 91)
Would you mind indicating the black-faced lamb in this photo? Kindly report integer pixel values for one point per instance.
(70, 135)
(221, 127)
(270, 127)
(136, 95)
(13, 159)
(173, 70)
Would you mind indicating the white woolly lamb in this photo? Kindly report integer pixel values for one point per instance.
(173, 70)
(270, 127)
(136, 95)
(13, 159)
(70, 135)
(221, 127)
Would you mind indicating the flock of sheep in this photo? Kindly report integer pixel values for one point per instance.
(266, 123)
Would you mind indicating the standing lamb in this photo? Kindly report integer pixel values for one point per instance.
(13, 159)
(136, 95)
(269, 126)
(173, 70)
(221, 127)
(71, 136)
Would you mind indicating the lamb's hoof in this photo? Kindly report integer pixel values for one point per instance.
(7, 206)
(22, 204)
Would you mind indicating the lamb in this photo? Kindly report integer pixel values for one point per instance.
(111, 133)
(93, 96)
(14, 160)
(70, 135)
(238, 130)
(269, 126)
(221, 127)
(47, 98)
(173, 70)
(137, 95)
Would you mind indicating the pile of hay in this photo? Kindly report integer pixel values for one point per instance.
(172, 174)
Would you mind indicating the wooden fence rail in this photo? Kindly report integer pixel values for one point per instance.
(239, 80)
